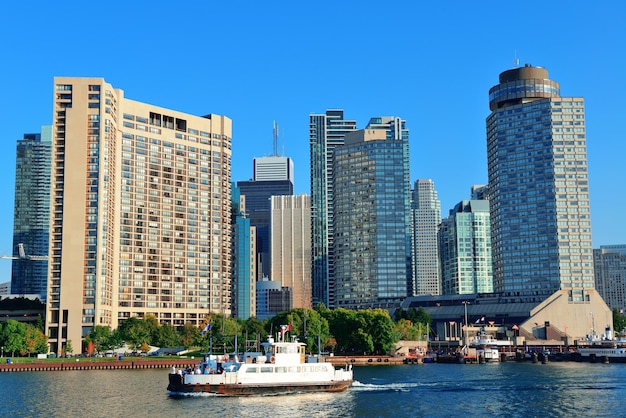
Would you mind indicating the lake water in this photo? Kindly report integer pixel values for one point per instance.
(429, 390)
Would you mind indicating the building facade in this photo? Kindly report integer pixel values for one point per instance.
(291, 246)
(244, 259)
(327, 131)
(274, 167)
(141, 212)
(465, 249)
(538, 188)
(371, 203)
(609, 263)
(426, 216)
(31, 215)
(258, 209)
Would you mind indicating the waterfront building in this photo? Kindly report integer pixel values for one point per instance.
(31, 215)
(371, 203)
(465, 248)
(141, 212)
(244, 259)
(538, 188)
(426, 216)
(609, 263)
(326, 132)
(291, 246)
(275, 178)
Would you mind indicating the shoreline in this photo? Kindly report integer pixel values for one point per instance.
(182, 363)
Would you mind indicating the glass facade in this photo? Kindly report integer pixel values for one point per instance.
(539, 192)
(31, 222)
(371, 203)
(465, 248)
(610, 275)
(258, 209)
(326, 132)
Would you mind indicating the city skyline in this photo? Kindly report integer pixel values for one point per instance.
(277, 75)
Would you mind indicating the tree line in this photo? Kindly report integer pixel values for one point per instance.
(340, 331)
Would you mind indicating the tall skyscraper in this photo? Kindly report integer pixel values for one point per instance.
(31, 219)
(273, 176)
(371, 203)
(538, 188)
(465, 248)
(291, 246)
(426, 214)
(326, 132)
(244, 259)
(141, 212)
(610, 275)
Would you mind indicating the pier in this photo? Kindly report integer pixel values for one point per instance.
(86, 364)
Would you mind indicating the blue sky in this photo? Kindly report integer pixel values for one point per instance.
(431, 63)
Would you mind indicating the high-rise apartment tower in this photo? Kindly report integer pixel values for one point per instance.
(538, 188)
(426, 216)
(326, 132)
(372, 225)
(141, 212)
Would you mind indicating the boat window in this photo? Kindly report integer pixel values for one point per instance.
(267, 369)
(281, 370)
(294, 369)
(251, 370)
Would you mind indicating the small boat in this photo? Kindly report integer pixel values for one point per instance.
(604, 348)
(282, 367)
(487, 346)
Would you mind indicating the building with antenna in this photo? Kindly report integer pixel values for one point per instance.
(273, 176)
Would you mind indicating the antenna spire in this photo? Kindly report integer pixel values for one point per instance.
(515, 59)
(275, 139)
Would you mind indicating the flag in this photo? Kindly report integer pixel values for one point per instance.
(479, 320)
(452, 323)
(285, 328)
(208, 327)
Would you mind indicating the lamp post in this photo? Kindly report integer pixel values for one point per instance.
(465, 303)
(2, 352)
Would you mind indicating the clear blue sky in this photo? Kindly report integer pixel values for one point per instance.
(256, 62)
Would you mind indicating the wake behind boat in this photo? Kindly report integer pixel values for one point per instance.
(281, 367)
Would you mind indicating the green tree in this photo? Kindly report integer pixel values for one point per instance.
(35, 342)
(14, 334)
(381, 329)
(619, 321)
(167, 336)
(135, 332)
(189, 335)
(406, 330)
(99, 336)
(316, 326)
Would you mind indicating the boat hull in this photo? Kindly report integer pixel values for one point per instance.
(177, 386)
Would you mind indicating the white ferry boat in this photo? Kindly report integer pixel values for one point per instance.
(488, 347)
(602, 348)
(282, 367)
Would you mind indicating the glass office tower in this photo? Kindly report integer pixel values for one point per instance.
(538, 188)
(31, 216)
(371, 200)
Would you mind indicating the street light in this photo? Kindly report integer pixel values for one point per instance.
(465, 303)
(2, 352)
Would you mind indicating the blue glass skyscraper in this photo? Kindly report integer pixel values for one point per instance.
(31, 220)
(371, 200)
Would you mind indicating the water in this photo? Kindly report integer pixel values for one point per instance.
(430, 390)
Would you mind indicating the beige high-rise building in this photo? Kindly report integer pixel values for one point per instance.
(140, 212)
(291, 246)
